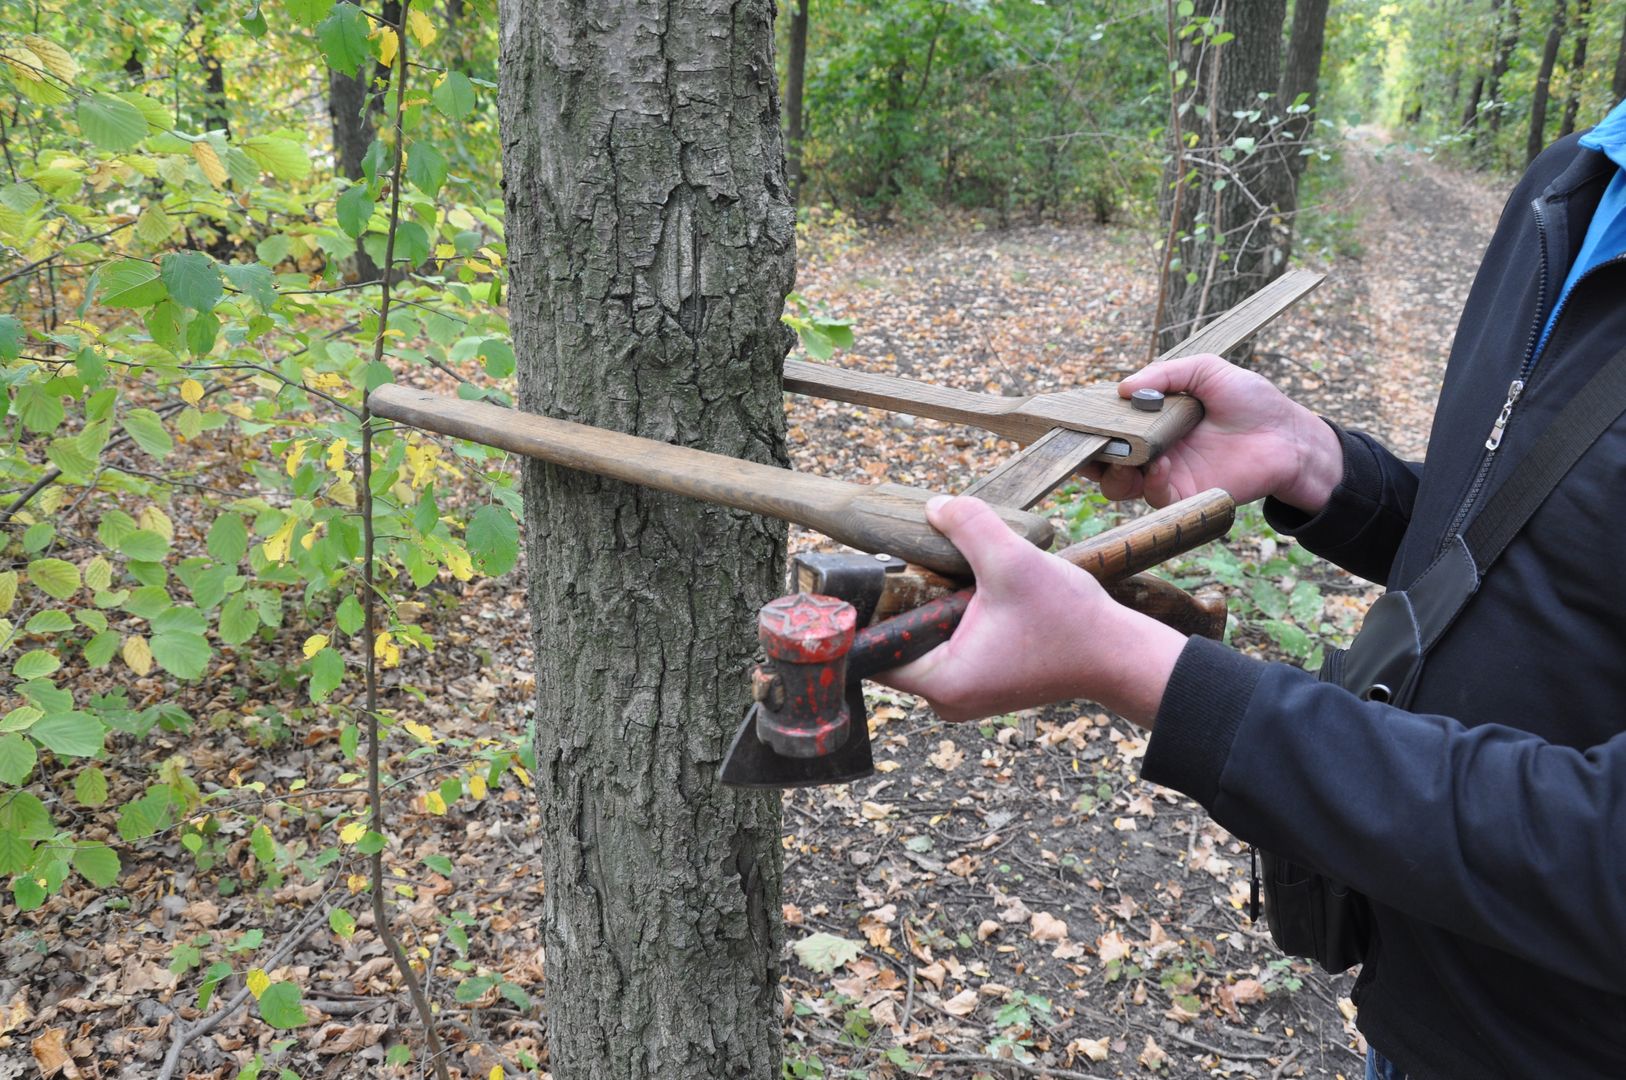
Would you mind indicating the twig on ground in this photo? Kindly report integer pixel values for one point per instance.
(186, 1033)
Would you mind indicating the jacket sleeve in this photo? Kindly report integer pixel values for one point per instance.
(1492, 832)
(1361, 526)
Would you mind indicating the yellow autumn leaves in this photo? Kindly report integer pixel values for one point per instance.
(389, 43)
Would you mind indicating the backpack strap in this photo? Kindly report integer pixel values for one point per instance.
(1587, 416)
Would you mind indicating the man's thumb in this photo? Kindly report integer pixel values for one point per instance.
(1183, 375)
(971, 525)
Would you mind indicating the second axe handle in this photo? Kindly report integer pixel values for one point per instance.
(1110, 556)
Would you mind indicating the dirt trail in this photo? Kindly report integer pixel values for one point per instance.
(1422, 228)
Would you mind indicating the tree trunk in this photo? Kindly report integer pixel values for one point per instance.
(1232, 241)
(1620, 69)
(1507, 25)
(215, 117)
(1470, 115)
(1301, 72)
(352, 118)
(651, 240)
(1577, 67)
(1544, 78)
(353, 110)
(795, 81)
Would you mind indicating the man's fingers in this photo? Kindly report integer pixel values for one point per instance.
(995, 553)
(1120, 482)
(1182, 375)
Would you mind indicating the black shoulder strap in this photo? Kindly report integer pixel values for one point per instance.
(1587, 416)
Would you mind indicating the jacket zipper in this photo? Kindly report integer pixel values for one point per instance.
(1514, 390)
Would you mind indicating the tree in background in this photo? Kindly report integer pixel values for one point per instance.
(355, 102)
(1301, 73)
(1008, 107)
(795, 87)
(1577, 72)
(1229, 187)
(1507, 39)
(1544, 77)
(653, 243)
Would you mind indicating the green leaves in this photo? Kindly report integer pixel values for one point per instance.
(56, 578)
(498, 357)
(254, 280)
(327, 671)
(193, 279)
(238, 620)
(110, 122)
(129, 283)
(454, 95)
(282, 158)
(39, 409)
(147, 429)
(493, 539)
(16, 854)
(70, 734)
(182, 653)
(426, 168)
(90, 787)
(17, 760)
(280, 1006)
(11, 337)
(307, 13)
(23, 815)
(342, 923)
(35, 664)
(354, 210)
(342, 37)
(228, 538)
(97, 862)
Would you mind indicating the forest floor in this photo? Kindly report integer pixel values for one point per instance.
(1013, 899)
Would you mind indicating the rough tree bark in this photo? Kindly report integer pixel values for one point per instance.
(1544, 77)
(1577, 70)
(1231, 238)
(651, 241)
(795, 81)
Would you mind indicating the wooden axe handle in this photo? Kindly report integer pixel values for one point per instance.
(1097, 410)
(879, 518)
(1153, 538)
(1117, 557)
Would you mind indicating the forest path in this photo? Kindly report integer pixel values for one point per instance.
(1421, 229)
(990, 866)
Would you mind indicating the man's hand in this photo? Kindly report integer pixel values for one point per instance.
(1253, 441)
(1038, 630)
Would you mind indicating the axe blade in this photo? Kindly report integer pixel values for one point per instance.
(751, 763)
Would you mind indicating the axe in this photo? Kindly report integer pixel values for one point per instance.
(808, 725)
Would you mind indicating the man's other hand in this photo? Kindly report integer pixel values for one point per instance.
(1253, 441)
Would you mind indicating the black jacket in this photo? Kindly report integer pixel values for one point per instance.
(1488, 825)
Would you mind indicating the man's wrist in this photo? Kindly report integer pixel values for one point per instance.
(1137, 668)
(1320, 465)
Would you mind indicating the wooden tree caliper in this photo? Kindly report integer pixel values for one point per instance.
(808, 725)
